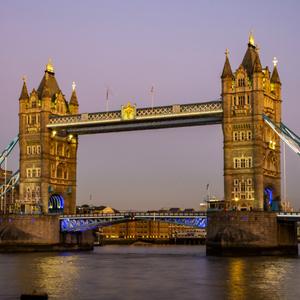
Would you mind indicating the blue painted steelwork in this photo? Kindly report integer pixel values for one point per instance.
(83, 224)
(5, 153)
(286, 134)
(11, 183)
(199, 222)
(87, 222)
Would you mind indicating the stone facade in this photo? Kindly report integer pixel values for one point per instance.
(47, 159)
(251, 148)
(250, 233)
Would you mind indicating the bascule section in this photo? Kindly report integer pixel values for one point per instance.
(47, 158)
(251, 148)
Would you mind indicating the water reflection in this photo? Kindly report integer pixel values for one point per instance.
(264, 277)
(236, 280)
(153, 272)
(55, 274)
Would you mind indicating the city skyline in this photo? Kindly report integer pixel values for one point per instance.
(146, 169)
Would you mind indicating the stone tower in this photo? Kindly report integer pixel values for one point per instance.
(251, 148)
(47, 159)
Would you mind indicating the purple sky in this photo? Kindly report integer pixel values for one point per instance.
(129, 45)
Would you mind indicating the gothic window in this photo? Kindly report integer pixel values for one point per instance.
(33, 172)
(33, 120)
(249, 162)
(33, 150)
(28, 150)
(38, 149)
(243, 186)
(243, 162)
(241, 82)
(38, 172)
(235, 136)
(60, 171)
(235, 181)
(241, 101)
(249, 181)
(236, 163)
(33, 104)
(242, 135)
(28, 173)
(248, 100)
(249, 135)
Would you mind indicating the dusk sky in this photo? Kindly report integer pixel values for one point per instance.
(177, 46)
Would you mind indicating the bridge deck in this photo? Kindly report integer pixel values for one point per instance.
(142, 118)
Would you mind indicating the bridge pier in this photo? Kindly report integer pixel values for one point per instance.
(231, 233)
(29, 233)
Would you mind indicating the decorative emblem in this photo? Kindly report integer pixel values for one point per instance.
(128, 111)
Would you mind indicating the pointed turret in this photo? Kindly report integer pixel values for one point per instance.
(73, 100)
(24, 93)
(275, 76)
(73, 104)
(251, 58)
(227, 72)
(51, 81)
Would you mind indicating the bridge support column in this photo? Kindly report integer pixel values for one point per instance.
(250, 233)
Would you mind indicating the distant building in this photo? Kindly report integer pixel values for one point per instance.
(147, 230)
(87, 209)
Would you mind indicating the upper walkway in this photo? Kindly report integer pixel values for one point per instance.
(132, 118)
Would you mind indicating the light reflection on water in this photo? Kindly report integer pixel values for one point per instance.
(151, 272)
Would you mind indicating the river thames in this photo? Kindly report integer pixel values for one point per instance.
(148, 272)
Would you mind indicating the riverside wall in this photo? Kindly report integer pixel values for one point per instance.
(39, 233)
(250, 233)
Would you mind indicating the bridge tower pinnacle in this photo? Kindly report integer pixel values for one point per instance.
(47, 159)
(251, 149)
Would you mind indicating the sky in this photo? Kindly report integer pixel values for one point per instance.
(177, 46)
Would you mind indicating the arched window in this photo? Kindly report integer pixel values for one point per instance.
(59, 171)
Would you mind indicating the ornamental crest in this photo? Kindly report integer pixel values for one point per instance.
(128, 111)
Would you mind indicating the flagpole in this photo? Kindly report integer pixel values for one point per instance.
(106, 103)
(152, 96)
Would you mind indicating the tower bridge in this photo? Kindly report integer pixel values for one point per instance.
(249, 111)
(50, 127)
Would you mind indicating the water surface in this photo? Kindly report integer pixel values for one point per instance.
(148, 272)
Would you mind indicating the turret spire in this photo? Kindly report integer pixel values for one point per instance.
(227, 72)
(275, 76)
(49, 66)
(24, 93)
(251, 39)
(73, 100)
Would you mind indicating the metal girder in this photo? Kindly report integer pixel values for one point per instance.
(8, 149)
(72, 223)
(285, 134)
(194, 114)
(12, 182)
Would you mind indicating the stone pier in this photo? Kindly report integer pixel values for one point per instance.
(39, 233)
(232, 233)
